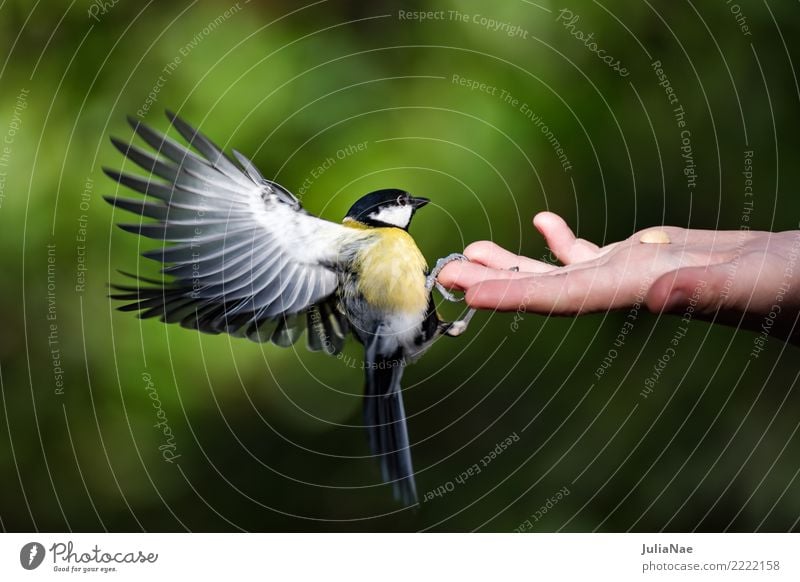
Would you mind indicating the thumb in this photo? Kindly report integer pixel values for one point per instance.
(702, 289)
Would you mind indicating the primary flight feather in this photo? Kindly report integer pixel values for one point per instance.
(245, 258)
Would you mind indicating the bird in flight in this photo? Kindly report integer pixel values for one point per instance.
(244, 258)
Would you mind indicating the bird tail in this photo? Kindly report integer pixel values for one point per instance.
(385, 420)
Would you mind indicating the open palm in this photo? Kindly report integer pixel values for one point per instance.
(735, 277)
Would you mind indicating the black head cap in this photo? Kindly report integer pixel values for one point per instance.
(389, 207)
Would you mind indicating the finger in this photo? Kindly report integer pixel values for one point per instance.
(709, 289)
(491, 255)
(753, 295)
(563, 293)
(561, 239)
(608, 248)
(462, 275)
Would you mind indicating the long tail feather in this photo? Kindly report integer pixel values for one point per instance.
(385, 420)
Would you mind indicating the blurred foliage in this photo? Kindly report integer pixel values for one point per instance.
(269, 439)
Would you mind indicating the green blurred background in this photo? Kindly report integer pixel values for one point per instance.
(269, 439)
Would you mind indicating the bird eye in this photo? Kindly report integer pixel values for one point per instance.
(402, 200)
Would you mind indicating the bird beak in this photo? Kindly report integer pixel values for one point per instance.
(418, 202)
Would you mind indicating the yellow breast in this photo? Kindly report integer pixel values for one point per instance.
(392, 272)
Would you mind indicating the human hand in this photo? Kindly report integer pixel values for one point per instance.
(742, 278)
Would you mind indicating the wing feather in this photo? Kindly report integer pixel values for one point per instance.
(240, 254)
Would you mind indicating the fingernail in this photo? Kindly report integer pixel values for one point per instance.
(677, 299)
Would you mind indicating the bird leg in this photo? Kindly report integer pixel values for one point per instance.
(453, 328)
(431, 281)
(456, 328)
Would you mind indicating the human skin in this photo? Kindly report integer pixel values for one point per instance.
(742, 278)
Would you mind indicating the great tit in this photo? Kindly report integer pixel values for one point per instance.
(249, 261)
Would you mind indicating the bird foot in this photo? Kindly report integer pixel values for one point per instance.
(456, 328)
(431, 281)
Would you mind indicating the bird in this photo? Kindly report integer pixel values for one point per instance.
(242, 256)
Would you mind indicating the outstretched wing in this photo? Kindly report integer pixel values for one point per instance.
(247, 259)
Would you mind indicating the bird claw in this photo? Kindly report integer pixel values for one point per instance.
(431, 281)
(447, 294)
(456, 328)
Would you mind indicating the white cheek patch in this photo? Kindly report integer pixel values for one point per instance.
(398, 216)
